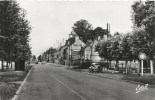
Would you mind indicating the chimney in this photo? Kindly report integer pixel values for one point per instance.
(107, 29)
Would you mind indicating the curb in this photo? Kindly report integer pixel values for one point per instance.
(21, 86)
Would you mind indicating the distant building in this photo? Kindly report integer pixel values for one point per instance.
(74, 51)
(88, 52)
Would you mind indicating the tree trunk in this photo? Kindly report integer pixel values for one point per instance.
(2, 65)
(16, 65)
(151, 66)
(11, 64)
(117, 65)
(20, 65)
(109, 64)
(139, 67)
(7, 65)
(126, 69)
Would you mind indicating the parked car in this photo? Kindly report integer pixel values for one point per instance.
(95, 67)
(43, 62)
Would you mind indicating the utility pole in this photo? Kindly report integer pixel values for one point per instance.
(69, 54)
(108, 29)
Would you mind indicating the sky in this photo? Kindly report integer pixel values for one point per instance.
(52, 21)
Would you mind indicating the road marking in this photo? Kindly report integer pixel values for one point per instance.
(83, 98)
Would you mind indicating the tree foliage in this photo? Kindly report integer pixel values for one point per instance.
(14, 34)
(98, 32)
(82, 28)
(128, 46)
(48, 53)
(143, 15)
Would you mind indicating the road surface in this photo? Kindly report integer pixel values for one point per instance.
(47, 82)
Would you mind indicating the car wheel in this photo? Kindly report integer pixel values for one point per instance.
(89, 71)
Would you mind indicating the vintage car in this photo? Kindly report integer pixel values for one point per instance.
(95, 67)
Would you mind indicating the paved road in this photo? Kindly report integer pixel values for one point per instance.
(47, 82)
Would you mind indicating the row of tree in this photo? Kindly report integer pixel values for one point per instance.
(48, 55)
(14, 34)
(128, 46)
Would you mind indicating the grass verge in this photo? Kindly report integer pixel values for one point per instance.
(7, 88)
(149, 79)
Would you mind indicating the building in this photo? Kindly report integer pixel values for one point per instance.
(88, 52)
(73, 50)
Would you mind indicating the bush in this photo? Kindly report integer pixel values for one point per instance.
(143, 79)
(85, 65)
(104, 65)
(76, 62)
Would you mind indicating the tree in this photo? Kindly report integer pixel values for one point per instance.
(125, 49)
(98, 31)
(47, 54)
(34, 57)
(115, 48)
(15, 31)
(143, 14)
(39, 58)
(9, 13)
(82, 28)
(141, 43)
(102, 48)
(22, 48)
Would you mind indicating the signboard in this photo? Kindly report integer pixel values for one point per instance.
(76, 57)
(77, 45)
(142, 56)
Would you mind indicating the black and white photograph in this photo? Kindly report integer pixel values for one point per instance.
(77, 50)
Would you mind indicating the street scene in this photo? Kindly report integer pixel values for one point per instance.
(77, 50)
(52, 82)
